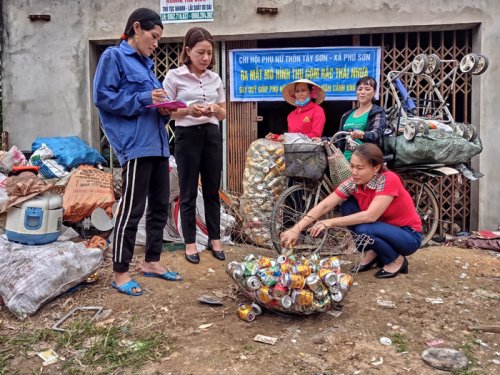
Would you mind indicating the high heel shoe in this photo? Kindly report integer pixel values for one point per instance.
(364, 267)
(192, 258)
(218, 254)
(383, 274)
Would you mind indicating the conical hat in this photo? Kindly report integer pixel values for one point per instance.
(289, 91)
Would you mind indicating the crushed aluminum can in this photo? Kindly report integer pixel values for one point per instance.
(321, 292)
(345, 281)
(301, 269)
(285, 267)
(327, 276)
(313, 281)
(250, 258)
(337, 296)
(274, 271)
(253, 283)
(292, 281)
(285, 302)
(251, 268)
(267, 279)
(283, 259)
(256, 308)
(264, 262)
(334, 263)
(435, 342)
(279, 290)
(302, 297)
(238, 271)
(322, 305)
(245, 312)
(263, 294)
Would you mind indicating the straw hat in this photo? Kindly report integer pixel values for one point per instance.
(289, 91)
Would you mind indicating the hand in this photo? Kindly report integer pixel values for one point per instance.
(288, 238)
(281, 137)
(317, 228)
(158, 96)
(357, 134)
(316, 139)
(164, 111)
(210, 110)
(197, 110)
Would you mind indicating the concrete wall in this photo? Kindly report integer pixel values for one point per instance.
(47, 66)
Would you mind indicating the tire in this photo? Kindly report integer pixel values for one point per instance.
(459, 129)
(482, 65)
(419, 64)
(410, 131)
(291, 206)
(434, 64)
(427, 207)
(468, 63)
(470, 133)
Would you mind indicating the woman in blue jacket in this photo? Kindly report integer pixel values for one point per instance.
(124, 84)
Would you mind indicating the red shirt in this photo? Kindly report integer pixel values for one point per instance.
(308, 120)
(401, 212)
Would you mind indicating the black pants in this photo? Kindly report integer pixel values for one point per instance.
(198, 151)
(141, 178)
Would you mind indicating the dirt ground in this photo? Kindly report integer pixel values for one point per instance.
(466, 280)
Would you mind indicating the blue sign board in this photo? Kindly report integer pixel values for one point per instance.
(261, 74)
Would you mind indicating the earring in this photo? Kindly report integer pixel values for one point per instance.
(136, 38)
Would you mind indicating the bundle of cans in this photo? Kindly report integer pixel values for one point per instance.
(263, 182)
(289, 284)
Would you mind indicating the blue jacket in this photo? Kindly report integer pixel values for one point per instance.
(122, 89)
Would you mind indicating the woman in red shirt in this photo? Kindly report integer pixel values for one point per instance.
(308, 117)
(382, 209)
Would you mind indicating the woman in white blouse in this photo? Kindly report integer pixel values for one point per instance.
(198, 140)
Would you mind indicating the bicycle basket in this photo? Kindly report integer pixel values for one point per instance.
(338, 165)
(305, 160)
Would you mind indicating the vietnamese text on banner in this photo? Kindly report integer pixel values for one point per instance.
(261, 74)
(179, 11)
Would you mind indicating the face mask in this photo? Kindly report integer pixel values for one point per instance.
(299, 103)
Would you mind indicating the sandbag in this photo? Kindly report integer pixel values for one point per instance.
(435, 148)
(30, 276)
(87, 189)
(70, 152)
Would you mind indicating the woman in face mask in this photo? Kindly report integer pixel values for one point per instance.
(308, 117)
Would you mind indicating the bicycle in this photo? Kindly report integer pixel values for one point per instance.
(294, 202)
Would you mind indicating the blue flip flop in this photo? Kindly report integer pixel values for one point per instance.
(169, 275)
(128, 288)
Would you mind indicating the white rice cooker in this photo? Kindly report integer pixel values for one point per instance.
(36, 221)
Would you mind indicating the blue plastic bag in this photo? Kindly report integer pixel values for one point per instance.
(70, 152)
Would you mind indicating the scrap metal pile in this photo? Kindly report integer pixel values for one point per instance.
(293, 284)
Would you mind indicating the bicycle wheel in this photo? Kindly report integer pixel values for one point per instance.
(291, 206)
(427, 206)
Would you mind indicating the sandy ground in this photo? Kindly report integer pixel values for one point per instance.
(466, 280)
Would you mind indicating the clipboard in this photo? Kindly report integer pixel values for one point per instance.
(170, 105)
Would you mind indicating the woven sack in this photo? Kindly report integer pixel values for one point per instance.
(305, 160)
(338, 165)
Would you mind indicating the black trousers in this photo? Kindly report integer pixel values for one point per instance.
(141, 178)
(198, 152)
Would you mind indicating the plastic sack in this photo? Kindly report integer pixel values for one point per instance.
(30, 276)
(11, 158)
(436, 148)
(263, 182)
(70, 152)
(48, 167)
(87, 189)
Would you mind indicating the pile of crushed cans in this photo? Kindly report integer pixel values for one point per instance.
(289, 284)
(263, 182)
